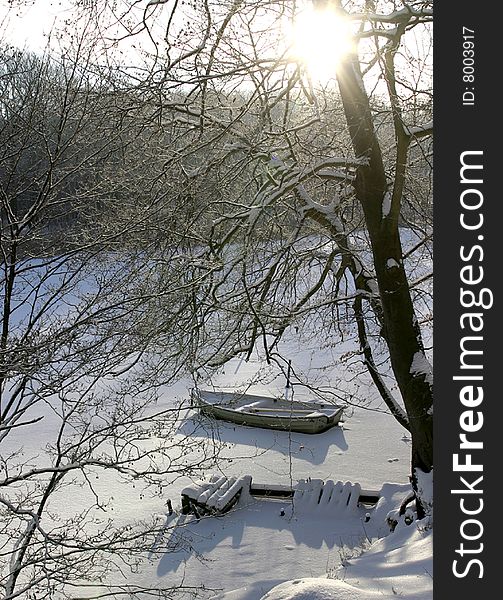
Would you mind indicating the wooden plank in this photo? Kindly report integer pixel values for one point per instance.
(271, 490)
(284, 491)
(368, 497)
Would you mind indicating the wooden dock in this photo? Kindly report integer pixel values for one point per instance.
(259, 490)
(218, 495)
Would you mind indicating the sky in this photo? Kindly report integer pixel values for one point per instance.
(29, 26)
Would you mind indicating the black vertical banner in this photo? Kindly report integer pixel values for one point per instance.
(468, 151)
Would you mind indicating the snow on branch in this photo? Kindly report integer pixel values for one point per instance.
(421, 367)
(396, 410)
(326, 168)
(291, 177)
(420, 130)
(397, 16)
(387, 33)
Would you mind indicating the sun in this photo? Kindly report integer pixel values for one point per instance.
(319, 39)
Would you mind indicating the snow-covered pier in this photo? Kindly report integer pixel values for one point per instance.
(220, 494)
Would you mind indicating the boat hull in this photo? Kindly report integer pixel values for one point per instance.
(269, 413)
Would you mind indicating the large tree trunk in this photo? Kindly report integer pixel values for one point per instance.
(401, 330)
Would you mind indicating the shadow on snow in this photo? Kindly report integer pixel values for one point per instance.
(312, 448)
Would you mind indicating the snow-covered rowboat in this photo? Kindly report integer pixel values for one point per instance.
(264, 411)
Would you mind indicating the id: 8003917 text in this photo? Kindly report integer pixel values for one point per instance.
(468, 66)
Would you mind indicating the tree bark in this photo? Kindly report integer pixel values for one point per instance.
(402, 331)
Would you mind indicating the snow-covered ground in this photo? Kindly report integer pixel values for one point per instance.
(279, 548)
(397, 566)
(261, 544)
(323, 553)
(319, 550)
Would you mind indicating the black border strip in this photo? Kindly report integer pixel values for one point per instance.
(467, 120)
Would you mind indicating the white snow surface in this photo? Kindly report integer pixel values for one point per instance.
(260, 544)
(321, 589)
(386, 205)
(286, 548)
(420, 364)
(399, 565)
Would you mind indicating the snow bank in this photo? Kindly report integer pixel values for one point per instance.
(320, 589)
(397, 565)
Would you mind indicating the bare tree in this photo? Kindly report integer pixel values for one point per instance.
(311, 181)
(79, 365)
